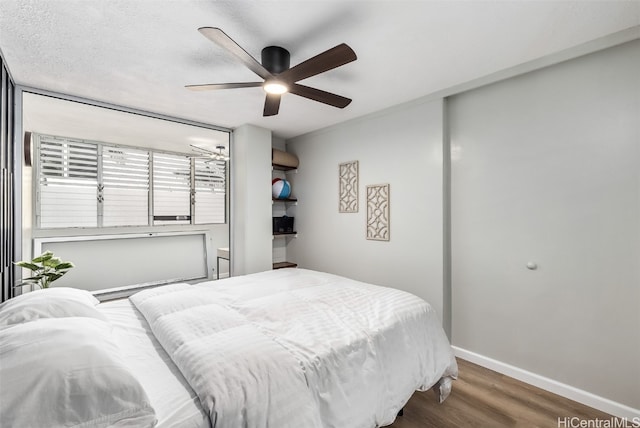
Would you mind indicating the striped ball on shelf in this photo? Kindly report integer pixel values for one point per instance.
(280, 189)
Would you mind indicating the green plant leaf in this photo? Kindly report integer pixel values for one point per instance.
(52, 276)
(27, 265)
(52, 262)
(42, 257)
(65, 265)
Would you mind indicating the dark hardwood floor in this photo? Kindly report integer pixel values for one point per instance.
(484, 398)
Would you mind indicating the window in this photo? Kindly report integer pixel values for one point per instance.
(90, 184)
(68, 183)
(210, 190)
(125, 192)
(171, 189)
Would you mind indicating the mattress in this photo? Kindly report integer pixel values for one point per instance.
(175, 403)
(327, 351)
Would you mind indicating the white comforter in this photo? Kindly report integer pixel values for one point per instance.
(297, 348)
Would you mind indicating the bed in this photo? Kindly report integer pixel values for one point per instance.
(285, 348)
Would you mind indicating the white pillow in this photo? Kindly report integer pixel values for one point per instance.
(49, 303)
(68, 372)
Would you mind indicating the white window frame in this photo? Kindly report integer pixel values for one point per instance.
(150, 223)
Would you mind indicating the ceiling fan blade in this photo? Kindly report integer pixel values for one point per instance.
(319, 95)
(271, 105)
(218, 36)
(327, 60)
(212, 86)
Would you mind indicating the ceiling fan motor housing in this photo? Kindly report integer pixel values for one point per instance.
(275, 59)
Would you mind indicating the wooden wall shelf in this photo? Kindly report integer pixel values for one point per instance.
(283, 168)
(287, 205)
(284, 234)
(284, 265)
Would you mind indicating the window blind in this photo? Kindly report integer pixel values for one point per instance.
(125, 179)
(92, 184)
(210, 191)
(171, 189)
(68, 183)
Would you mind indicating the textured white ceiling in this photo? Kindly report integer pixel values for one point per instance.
(141, 53)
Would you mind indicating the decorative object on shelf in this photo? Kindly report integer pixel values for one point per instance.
(378, 206)
(280, 188)
(348, 175)
(284, 159)
(46, 268)
(283, 224)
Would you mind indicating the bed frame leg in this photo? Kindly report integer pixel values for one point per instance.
(401, 412)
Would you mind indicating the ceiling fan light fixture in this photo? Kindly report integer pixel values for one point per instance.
(275, 87)
(220, 155)
(278, 77)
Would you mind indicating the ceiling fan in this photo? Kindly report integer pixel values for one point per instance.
(217, 155)
(278, 76)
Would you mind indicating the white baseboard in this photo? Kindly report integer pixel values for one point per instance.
(588, 399)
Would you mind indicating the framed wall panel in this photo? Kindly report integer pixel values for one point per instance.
(378, 209)
(348, 183)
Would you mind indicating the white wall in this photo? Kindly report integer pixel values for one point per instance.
(546, 169)
(251, 199)
(278, 143)
(402, 147)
